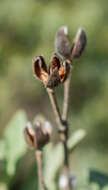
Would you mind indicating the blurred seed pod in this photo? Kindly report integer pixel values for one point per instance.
(38, 136)
(62, 43)
(79, 44)
(40, 69)
(30, 135)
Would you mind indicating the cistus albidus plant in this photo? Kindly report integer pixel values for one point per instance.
(58, 73)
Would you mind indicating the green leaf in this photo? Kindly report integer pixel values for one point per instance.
(76, 138)
(105, 188)
(14, 142)
(53, 158)
(94, 186)
(31, 181)
(2, 149)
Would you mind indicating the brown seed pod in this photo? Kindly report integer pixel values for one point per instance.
(53, 80)
(64, 71)
(79, 44)
(38, 136)
(58, 71)
(40, 69)
(62, 43)
(54, 64)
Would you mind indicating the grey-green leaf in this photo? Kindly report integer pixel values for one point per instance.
(14, 142)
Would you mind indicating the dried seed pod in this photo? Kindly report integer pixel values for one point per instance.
(79, 44)
(64, 71)
(38, 136)
(54, 67)
(40, 69)
(62, 43)
(54, 64)
(59, 74)
(54, 79)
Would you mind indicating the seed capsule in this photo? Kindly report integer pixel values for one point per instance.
(38, 136)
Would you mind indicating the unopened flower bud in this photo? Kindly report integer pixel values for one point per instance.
(79, 43)
(62, 43)
(38, 136)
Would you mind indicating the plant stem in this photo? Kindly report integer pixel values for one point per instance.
(64, 119)
(62, 122)
(65, 113)
(55, 109)
(66, 96)
(39, 158)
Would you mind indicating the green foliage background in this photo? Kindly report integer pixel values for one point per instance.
(27, 28)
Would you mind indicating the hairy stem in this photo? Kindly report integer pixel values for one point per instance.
(39, 158)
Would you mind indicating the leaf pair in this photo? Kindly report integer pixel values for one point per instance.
(56, 74)
(63, 46)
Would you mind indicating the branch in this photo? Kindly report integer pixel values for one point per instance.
(64, 118)
(55, 109)
(39, 158)
(62, 122)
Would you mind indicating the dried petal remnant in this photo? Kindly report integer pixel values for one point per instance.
(40, 69)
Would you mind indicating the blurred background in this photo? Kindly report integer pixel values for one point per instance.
(28, 28)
